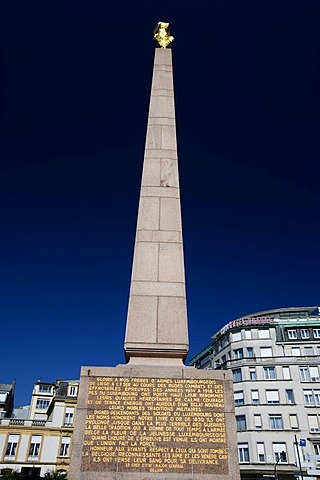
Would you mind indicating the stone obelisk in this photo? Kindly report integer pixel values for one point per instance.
(154, 418)
(157, 315)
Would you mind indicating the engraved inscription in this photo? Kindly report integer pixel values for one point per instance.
(155, 425)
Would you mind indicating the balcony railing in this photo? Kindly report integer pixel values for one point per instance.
(24, 423)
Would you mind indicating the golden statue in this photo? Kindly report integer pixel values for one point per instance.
(162, 34)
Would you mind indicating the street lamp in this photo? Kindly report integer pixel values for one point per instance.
(282, 456)
(298, 453)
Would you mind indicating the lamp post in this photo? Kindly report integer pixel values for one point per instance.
(298, 455)
(282, 456)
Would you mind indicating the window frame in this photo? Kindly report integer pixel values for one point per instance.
(241, 423)
(316, 335)
(264, 333)
(278, 448)
(267, 373)
(264, 350)
(243, 452)
(238, 353)
(255, 401)
(304, 374)
(64, 447)
(11, 447)
(237, 372)
(316, 448)
(257, 423)
(42, 401)
(261, 452)
(285, 371)
(295, 352)
(240, 394)
(270, 393)
(305, 333)
(274, 419)
(292, 334)
(34, 447)
(69, 417)
(45, 389)
(290, 396)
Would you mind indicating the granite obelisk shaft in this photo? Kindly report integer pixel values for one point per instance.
(157, 315)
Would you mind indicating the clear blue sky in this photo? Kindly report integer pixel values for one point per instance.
(75, 86)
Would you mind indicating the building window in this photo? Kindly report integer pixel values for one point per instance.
(313, 421)
(265, 351)
(304, 374)
(269, 373)
(295, 351)
(292, 334)
(305, 334)
(255, 397)
(257, 422)
(34, 447)
(241, 423)
(238, 353)
(279, 452)
(309, 374)
(311, 397)
(286, 373)
(45, 388)
(32, 471)
(237, 375)
(238, 398)
(316, 332)
(261, 453)
(250, 352)
(308, 351)
(314, 374)
(68, 419)
(236, 336)
(243, 451)
(294, 421)
(276, 422)
(316, 447)
(73, 390)
(248, 334)
(224, 342)
(42, 403)
(252, 374)
(290, 396)
(64, 447)
(264, 333)
(272, 396)
(11, 447)
(308, 397)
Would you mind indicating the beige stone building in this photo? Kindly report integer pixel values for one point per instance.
(274, 357)
(38, 437)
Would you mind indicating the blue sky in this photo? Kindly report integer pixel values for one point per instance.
(75, 88)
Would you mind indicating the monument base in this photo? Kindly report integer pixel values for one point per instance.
(143, 422)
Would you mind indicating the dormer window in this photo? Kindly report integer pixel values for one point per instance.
(73, 390)
(292, 334)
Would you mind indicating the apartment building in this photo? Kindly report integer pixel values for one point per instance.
(274, 356)
(6, 399)
(38, 438)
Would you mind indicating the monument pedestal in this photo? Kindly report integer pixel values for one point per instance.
(148, 422)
